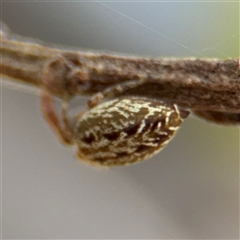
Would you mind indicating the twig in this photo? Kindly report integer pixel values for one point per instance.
(198, 84)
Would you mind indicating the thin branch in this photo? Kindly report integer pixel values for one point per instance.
(199, 84)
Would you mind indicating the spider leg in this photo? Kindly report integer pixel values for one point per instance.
(120, 90)
(113, 91)
(47, 104)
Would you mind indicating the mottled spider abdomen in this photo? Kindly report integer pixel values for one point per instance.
(126, 130)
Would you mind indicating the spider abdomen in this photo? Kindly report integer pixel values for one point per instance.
(126, 130)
